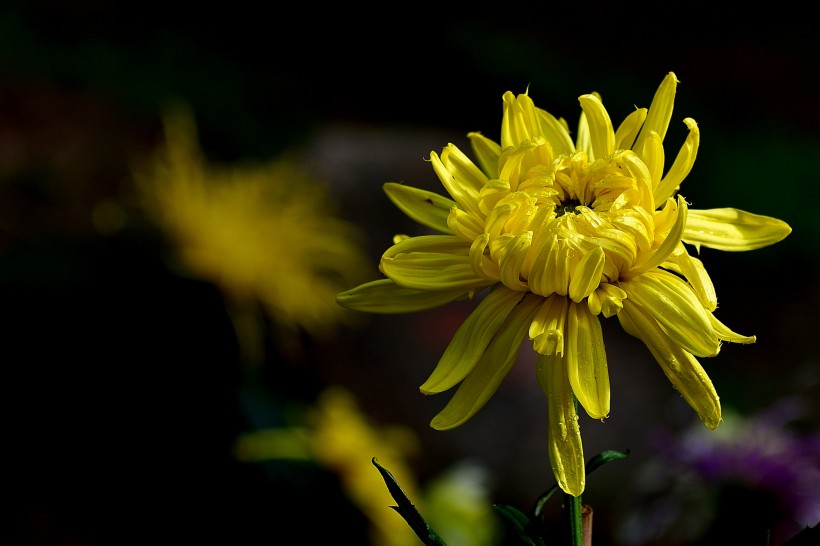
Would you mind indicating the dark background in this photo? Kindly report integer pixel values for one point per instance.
(119, 382)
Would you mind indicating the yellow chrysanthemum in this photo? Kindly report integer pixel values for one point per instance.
(227, 222)
(559, 233)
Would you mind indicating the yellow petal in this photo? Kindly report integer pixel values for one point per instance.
(660, 112)
(566, 450)
(431, 262)
(653, 259)
(556, 133)
(547, 326)
(462, 180)
(471, 339)
(629, 128)
(519, 122)
(601, 133)
(683, 163)
(385, 296)
(607, 299)
(487, 152)
(513, 259)
(483, 381)
(683, 370)
(732, 229)
(653, 156)
(683, 263)
(726, 334)
(586, 363)
(676, 309)
(587, 274)
(425, 207)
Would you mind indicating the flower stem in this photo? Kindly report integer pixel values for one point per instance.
(572, 505)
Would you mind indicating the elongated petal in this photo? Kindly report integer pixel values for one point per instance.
(660, 112)
(461, 182)
(727, 334)
(629, 128)
(587, 274)
(601, 133)
(556, 132)
(732, 229)
(566, 451)
(585, 359)
(486, 152)
(656, 257)
(471, 339)
(425, 207)
(675, 307)
(386, 297)
(683, 370)
(682, 165)
(483, 381)
(431, 262)
(653, 156)
(683, 263)
(520, 121)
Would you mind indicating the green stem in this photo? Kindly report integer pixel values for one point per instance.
(572, 505)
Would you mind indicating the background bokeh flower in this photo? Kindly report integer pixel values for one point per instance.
(753, 480)
(265, 233)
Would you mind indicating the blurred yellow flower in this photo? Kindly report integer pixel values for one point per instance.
(550, 234)
(342, 438)
(264, 233)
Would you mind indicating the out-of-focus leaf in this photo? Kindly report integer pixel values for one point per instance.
(407, 509)
(520, 523)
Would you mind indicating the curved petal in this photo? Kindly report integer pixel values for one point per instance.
(684, 371)
(587, 274)
(556, 133)
(653, 156)
(676, 309)
(585, 359)
(727, 334)
(483, 381)
(471, 340)
(385, 296)
(732, 229)
(425, 207)
(661, 253)
(660, 112)
(601, 133)
(682, 165)
(629, 128)
(692, 269)
(519, 122)
(431, 262)
(487, 152)
(566, 451)
(460, 177)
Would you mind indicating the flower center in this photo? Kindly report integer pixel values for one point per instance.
(567, 206)
(567, 227)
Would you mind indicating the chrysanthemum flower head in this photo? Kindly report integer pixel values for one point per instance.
(265, 233)
(550, 235)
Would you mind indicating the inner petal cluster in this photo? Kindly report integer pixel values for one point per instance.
(565, 227)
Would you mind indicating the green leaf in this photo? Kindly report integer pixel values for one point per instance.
(519, 523)
(407, 509)
(543, 499)
(604, 457)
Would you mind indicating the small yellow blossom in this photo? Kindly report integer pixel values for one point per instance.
(550, 234)
(342, 438)
(264, 233)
